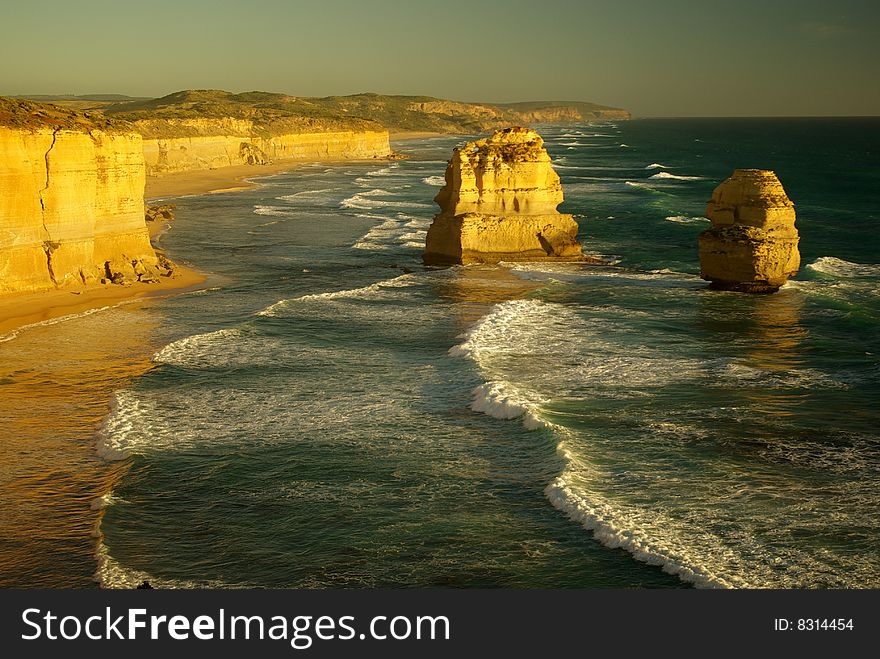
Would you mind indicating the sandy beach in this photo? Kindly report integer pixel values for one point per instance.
(19, 310)
(204, 181)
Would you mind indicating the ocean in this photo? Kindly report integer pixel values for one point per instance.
(331, 413)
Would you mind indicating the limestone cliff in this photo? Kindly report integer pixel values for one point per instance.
(193, 144)
(71, 200)
(564, 112)
(499, 204)
(208, 129)
(752, 245)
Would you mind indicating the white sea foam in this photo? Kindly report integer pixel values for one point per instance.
(381, 236)
(657, 165)
(740, 374)
(198, 350)
(571, 272)
(112, 574)
(370, 200)
(608, 528)
(125, 419)
(511, 327)
(8, 337)
(435, 180)
(684, 219)
(393, 232)
(371, 291)
(535, 356)
(836, 267)
(676, 177)
(384, 171)
(60, 319)
(502, 400)
(103, 501)
(552, 340)
(310, 197)
(274, 211)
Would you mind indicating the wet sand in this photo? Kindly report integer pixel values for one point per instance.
(205, 181)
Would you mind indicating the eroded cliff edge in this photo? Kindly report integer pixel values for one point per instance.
(71, 200)
(499, 204)
(204, 129)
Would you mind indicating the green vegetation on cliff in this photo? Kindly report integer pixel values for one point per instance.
(207, 112)
(359, 111)
(27, 115)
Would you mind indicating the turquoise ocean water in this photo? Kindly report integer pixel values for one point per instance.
(331, 413)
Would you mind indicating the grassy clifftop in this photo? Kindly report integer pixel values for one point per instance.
(27, 115)
(209, 112)
(359, 111)
(183, 113)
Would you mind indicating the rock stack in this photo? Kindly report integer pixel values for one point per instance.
(752, 245)
(499, 204)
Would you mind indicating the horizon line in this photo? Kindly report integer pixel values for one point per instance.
(633, 116)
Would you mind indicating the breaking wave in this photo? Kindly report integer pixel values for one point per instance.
(60, 319)
(364, 292)
(684, 219)
(831, 265)
(676, 177)
(370, 200)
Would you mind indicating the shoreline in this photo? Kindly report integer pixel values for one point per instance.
(211, 181)
(19, 311)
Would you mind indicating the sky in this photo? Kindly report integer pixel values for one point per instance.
(652, 57)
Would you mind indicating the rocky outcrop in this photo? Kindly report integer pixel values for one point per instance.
(499, 204)
(752, 245)
(159, 212)
(71, 201)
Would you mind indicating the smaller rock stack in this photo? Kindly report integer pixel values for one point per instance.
(499, 204)
(752, 245)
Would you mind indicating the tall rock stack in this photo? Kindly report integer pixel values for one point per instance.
(499, 204)
(752, 245)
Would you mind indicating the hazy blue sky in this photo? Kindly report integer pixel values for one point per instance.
(653, 57)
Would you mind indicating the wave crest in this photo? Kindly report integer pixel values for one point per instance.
(831, 265)
(676, 177)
